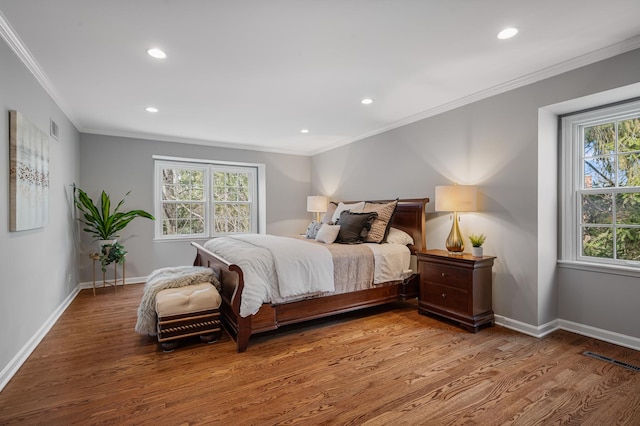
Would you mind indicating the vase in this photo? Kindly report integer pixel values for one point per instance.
(476, 251)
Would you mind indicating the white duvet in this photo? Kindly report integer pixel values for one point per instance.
(391, 262)
(275, 268)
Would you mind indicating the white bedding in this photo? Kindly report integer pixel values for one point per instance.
(268, 280)
(275, 268)
(392, 261)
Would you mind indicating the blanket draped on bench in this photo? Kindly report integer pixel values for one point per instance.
(160, 279)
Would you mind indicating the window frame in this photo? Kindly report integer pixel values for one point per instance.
(258, 202)
(252, 190)
(571, 182)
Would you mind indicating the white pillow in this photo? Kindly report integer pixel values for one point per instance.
(355, 208)
(328, 233)
(397, 236)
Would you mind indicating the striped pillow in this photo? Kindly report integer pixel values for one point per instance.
(380, 225)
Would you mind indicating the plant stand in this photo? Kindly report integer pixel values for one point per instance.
(96, 257)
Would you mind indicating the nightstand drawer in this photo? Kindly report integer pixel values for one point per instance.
(454, 277)
(446, 297)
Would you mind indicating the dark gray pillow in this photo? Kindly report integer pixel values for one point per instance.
(312, 229)
(354, 227)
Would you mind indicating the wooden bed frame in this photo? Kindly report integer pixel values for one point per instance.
(409, 217)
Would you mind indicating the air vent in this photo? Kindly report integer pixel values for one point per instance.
(612, 361)
(54, 130)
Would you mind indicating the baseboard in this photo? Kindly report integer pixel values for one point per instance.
(531, 330)
(127, 281)
(600, 334)
(14, 365)
(560, 324)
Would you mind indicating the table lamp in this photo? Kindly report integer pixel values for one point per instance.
(317, 204)
(456, 198)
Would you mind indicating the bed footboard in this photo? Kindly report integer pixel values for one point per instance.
(231, 282)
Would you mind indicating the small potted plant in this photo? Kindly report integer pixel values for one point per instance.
(476, 244)
(111, 253)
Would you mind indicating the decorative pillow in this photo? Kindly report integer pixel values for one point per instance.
(398, 236)
(328, 233)
(381, 224)
(354, 226)
(312, 229)
(355, 208)
(328, 216)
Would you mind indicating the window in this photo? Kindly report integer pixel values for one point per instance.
(198, 199)
(601, 185)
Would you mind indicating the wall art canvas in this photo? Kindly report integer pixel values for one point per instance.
(28, 173)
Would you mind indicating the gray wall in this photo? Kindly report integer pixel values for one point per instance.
(118, 165)
(500, 145)
(38, 266)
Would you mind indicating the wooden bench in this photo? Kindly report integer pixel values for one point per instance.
(188, 311)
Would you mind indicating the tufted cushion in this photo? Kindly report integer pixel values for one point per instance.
(184, 300)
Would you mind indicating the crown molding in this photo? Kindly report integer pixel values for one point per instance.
(15, 43)
(176, 139)
(569, 65)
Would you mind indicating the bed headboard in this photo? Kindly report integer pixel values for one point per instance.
(410, 217)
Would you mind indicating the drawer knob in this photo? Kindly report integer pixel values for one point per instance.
(444, 275)
(444, 295)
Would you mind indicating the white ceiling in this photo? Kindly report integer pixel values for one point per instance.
(253, 73)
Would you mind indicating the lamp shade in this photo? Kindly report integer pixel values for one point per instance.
(456, 198)
(317, 203)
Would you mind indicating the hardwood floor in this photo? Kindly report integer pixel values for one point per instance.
(390, 366)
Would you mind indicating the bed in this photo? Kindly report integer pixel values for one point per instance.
(409, 216)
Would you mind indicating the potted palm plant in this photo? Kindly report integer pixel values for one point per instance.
(476, 244)
(100, 221)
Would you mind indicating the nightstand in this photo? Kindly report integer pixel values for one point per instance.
(457, 287)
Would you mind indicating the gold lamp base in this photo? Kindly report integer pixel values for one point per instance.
(455, 244)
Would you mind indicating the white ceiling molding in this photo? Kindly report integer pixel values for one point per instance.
(217, 144)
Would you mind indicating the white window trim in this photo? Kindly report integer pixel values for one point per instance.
(570, 178)
(261, 192)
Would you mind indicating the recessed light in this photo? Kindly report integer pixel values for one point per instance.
(151, 109)
(157, 53)
(366, 101)
(507, 33)
(304, 131)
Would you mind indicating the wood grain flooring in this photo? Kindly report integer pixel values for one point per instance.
(388, 366)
